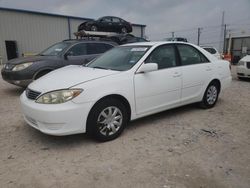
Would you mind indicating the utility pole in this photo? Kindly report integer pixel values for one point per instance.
(172, 35)
(221, 47)
(224, 41)
(199, 34)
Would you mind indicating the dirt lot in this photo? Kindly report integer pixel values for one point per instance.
(184, 147)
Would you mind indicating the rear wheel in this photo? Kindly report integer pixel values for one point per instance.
(107, 119)
(124, 30)
(210, 96)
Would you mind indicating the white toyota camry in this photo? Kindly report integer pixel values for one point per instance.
(125, 83)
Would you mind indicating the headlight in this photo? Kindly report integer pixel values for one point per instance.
(60, 96)
(241, 63)
(22, 66)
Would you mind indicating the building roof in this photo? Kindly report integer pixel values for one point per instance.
(55, 15)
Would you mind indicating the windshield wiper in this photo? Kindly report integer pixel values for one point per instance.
(97, 67)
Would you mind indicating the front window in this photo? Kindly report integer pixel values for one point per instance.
(120, 58)
(78, 50)
(56, 49)
(164, 56)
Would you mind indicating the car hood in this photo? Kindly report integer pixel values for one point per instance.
(246, 58)
(67, 77)
(20, 60)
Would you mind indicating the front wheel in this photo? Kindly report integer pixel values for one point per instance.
(210, 96)
(107, 120)
(93, 28)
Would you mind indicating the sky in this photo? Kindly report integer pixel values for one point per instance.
(183, 17)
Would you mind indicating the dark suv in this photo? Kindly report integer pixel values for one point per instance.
(22, 71)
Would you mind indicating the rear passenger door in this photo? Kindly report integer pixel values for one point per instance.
(196, 72)
(96, 49)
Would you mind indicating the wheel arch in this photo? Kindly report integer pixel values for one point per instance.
(48, 69)
(217, 81)
(114, 96)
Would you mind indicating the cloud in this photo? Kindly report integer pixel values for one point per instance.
(161, 16)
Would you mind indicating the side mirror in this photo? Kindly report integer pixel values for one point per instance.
(148, 67)
(66, 56)
(69, 53)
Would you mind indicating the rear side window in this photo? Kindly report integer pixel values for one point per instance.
(189, 55)
(106, 19)
(77, 50)
(97, 48)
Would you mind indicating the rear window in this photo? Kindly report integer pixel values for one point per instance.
(211, 50)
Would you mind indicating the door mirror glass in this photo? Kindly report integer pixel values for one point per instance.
(148, 67)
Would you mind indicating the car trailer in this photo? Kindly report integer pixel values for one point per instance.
(82, 34)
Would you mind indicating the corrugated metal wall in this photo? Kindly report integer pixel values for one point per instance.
(32, 32)
(35, 32)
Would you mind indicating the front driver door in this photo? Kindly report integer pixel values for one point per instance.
(78, 55)
(159, 90)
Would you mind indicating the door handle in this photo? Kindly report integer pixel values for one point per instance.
(208, 69)
(176, 74)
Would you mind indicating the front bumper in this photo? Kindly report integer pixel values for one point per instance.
(55, 119)
(19, 78)
(243, 72)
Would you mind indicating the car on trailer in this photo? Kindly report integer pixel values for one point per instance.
(108, 24)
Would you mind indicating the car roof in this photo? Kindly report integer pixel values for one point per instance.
(74, 41)
(155, 43)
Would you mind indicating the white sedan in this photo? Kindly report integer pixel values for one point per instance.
(243, 67)
(125, 83)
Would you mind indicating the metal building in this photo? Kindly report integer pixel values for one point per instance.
(30, 32)
(238, 47)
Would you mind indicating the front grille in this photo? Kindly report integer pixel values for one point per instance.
(241, 74)
(31, 94)
(248, 65)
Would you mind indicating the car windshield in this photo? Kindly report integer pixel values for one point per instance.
(120, 58)
(55, 50)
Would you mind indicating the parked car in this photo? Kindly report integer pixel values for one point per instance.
(243, 67)
(107, 23)
(22, 71)
(126, 38)
(125, 83)
(180, 39)
(213, 51)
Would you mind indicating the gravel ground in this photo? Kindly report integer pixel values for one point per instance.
(184, 147)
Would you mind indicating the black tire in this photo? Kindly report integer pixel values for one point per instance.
(93, 28)
(97, 129)
(210, 96)
(42, 73)
(240, 78)
(124, 30)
